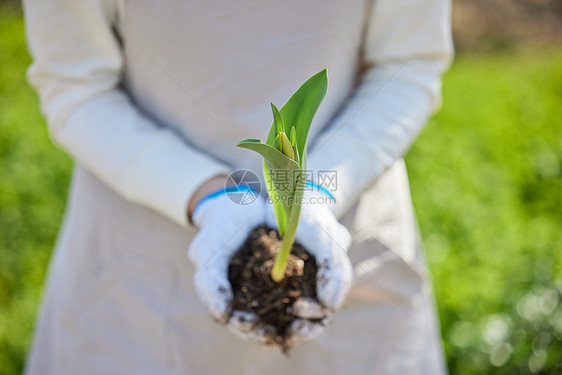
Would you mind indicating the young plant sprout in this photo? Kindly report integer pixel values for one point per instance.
(285, 160)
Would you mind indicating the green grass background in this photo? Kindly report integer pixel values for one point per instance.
(486, 177)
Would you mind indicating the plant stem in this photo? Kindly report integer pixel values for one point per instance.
(282, 258)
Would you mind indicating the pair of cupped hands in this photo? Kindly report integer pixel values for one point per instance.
(223, 226)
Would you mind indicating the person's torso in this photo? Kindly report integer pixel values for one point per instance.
(210, 68)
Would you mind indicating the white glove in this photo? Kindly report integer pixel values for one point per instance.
(223, 227)
(320, 233)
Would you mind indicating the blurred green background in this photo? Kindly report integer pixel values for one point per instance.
(486, 179)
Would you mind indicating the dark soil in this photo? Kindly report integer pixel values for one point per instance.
(249, 273)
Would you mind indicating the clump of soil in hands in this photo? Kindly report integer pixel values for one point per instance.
(249, 274)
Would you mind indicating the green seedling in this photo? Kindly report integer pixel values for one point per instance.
(285, 160)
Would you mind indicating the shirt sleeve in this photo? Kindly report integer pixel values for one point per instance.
(77, 69)
(407, 47)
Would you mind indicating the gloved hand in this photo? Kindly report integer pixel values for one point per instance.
(223, 227)
(320, 233)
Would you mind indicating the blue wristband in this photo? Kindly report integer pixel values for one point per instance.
(319, 188)
(223, 191)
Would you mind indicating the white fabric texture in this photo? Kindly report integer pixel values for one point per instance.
(154, 163)
(398, 91)
(149, 97)
(123, 300)
(77, 70)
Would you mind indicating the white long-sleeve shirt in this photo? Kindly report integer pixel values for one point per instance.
(152, 96)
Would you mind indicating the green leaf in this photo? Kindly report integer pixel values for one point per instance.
(280, 213)
(295, 209)
(301, 107)
(251, 140)
(293, 136)
(297, 156)
(278, 122)
(281, 164)
(274, 158)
